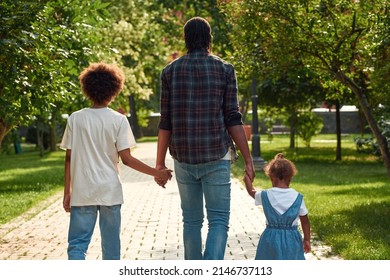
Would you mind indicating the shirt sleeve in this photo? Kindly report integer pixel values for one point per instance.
(165, 120)
(303, 210)
(231, 107)
(66, 143)
(125, 138)
(258, 198)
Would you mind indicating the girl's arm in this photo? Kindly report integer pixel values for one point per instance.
(305, 223)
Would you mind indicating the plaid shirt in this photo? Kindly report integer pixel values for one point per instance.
(198, 102)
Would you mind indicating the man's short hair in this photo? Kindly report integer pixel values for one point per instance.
(197, 34)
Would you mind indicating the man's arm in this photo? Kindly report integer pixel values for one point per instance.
(238, 135)
(164, 137)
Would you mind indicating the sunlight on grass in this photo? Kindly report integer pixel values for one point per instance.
(26, 179)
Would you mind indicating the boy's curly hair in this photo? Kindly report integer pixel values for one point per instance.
(280, 167)
(102, 82)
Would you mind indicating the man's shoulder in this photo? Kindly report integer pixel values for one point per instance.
(220, 59)
(207, 59)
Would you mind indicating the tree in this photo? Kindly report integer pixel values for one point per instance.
(136, 35)
(296, 90)
(147, 35)
(43, 45)
(340, 38)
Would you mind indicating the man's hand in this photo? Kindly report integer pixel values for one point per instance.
(162, 180)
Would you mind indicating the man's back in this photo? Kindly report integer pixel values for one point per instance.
(200, 91)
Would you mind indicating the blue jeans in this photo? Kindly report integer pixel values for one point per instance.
(82, 224)
(211, 182)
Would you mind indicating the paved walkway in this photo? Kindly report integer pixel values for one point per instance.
(151, 223)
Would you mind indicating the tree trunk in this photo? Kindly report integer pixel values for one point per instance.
(53, 137)
(381, 140)
(292, 129)
(338, 131)
(134, 118)
(40, 139)
(4, 129)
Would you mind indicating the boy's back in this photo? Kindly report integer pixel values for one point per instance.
(95, 135)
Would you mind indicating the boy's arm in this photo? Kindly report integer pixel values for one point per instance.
(305, 223)
(132, 162)
(67, 190)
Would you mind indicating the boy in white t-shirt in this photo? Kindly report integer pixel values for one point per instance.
(284, 208)
(94, 139)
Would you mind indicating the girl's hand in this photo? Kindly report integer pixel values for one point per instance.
(306, 246)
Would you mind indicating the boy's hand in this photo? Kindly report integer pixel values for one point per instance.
(66, 202)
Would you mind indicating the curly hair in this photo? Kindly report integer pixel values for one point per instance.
(102, 82)
(197, 34)
(280, 167)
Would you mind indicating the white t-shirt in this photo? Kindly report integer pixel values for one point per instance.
(281, 199)
(95, 136)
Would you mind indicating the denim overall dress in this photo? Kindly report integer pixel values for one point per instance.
(280, 240)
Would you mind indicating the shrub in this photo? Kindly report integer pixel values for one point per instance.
(308, 124)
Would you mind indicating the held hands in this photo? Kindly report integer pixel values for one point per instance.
(247, 181)
(249, 186)
(163, 175)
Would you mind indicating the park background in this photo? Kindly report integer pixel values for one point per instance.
(301, 66)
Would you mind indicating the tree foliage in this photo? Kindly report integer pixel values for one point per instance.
(43, 45)
(341, 39)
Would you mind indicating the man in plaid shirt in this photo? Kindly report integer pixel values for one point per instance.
(200, 119)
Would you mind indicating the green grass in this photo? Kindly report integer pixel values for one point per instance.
(27, 179)
(348, 200)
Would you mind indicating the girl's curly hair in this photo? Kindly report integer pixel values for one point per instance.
(102, 82)
(280, 167)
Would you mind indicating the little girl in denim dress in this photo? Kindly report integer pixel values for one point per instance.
(284, 208)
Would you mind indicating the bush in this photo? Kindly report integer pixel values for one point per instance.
(308, 124)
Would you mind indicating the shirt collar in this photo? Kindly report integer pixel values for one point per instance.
(198, 51)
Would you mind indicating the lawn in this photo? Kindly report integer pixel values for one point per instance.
(27, 179)
(348, 200)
